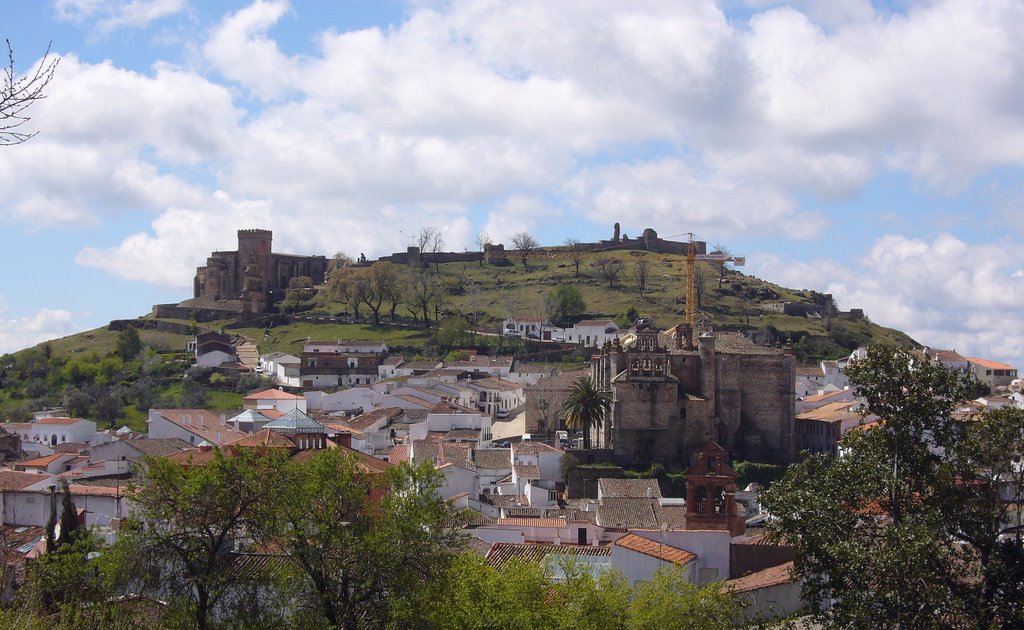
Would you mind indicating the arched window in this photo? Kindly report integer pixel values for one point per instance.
(719, 500)
(701, 503)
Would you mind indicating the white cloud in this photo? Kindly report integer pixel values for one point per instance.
(110, 15)
(944, 292)
(517, 214)
(25, 332)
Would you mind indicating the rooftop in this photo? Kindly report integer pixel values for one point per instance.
(655, 549)
(636, 488)
(772, 576)
(500, 553)
(208, 425)
(272, 394)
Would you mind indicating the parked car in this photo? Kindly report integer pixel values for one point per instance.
(513, 333)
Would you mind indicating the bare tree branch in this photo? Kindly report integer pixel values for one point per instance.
(17, 94)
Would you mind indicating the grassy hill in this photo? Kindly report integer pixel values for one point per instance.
(87, 363)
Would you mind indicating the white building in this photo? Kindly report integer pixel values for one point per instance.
(282, 366)
(274, 399)
(194, 426)
(53, 431)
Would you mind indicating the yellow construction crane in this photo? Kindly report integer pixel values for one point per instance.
(691, 275)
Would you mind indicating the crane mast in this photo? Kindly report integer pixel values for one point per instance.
(691, 275)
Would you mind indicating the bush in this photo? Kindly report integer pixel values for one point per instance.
(757, 472)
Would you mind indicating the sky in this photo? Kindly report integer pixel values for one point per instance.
(869, 150)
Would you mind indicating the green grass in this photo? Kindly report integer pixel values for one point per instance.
(291, 338)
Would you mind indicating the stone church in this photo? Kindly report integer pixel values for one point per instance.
(253, 276)
(670, 396)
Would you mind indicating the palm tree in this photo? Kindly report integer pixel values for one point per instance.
(585, 407)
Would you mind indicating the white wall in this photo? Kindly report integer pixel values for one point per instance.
(214, 358)
(640, 566)
(456, 481)
(710, 547)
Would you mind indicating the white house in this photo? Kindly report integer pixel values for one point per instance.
(638, 558)
(194, 426)
(496, 396)
(282, 366)
(53, 431)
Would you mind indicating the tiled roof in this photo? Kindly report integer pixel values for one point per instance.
(533, 448)
(527, 471)
(831, 412)
(265, 438)
(96, 491)
(493, 458)
(398, 454)
(462, 434)
(506, 500)
(772, 576)
(468, 518)
(674, 516)
(483, 361)
(637, 488)
(809, 370)
(532, 522)
(445, 407)
(595, 322)
(272, 394)
(41, 462)
(374, 416)
(63, 421)
(416, 400)
(631, 513)
(497, 383)
(986, 363)
(71, 447)
(158, 447)
(654, 549)
(13, 480)
(822, 396)
(205, 424)
(501, 553)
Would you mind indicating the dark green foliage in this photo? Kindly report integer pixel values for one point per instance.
(193, 394)
(564, 303)
(70, 526)
(585, 407)
(907, 528)
(567, 462)
(129, 345)
(757, 472)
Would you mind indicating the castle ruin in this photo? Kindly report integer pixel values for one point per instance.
(253, 276)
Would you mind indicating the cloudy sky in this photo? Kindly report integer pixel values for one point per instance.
(870, 150)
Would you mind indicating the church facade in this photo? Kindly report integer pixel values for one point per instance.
(671, 395)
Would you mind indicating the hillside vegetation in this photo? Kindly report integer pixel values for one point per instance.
(93, 373)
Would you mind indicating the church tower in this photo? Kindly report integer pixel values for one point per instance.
(711, 492)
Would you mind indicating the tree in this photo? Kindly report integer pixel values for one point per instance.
(723, 266)
(585, 407)
(483, 241)
(19, 93)
(451, 333)
(129, 345)
(343, 286)
(564, 302)
(423, 289)
(355, 561)
(340, 260)
(525, 244)
(190, 518)
(907, 527)
(700, 280)
(641, 271)
(671, 601)
(576, 253)
(380, 283)
(193, 394)
(430, 239)
(609, 269)
(299, 288)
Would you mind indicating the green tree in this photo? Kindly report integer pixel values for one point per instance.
(355, 560)
(585, 407)
(525, 244)
(187, 521)
(193, 394)
(70, 526)
(452, 332)
(129, 345)
(563, 303)
(670, 601)
(907, 528)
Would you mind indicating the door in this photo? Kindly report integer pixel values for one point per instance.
(581, 536)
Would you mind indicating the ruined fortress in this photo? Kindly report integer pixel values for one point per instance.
(252, 278)
(670, 395)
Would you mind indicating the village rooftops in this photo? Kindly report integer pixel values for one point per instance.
(14, 480)
(362, 422)
(484, 362)
(493, 458)
(831, 412)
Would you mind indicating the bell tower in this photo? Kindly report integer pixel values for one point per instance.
(711, 492)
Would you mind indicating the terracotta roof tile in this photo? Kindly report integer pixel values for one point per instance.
(14, 480)
(655, 549)
(533, 522)
(64, 421)
(272, 394)
(527, 471)
(636, 488)
(772, 576)
(500, 553)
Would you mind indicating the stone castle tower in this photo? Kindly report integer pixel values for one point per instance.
(253, 278)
